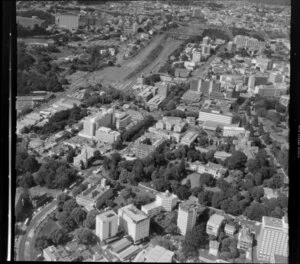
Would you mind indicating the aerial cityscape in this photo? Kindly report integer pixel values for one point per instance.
(152, 131)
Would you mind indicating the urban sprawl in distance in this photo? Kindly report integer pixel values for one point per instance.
(152, 131)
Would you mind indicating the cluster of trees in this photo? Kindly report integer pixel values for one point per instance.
(179, 113)
(55, 174)
(92, 97)
(138, 129)
(265, 107)
(130, 197)
(105, 200)
(24, 32)
(60, 120)
(96, 61)
(165, 223)
(281, 154)
(25, 165)
(164, 242)
(246, 32)
(215, 33)
(28, 82)
(24, 60)
(46, 16)
(228, 248)
(69, 215)
(150, 57)
(57, 237)
(173, 98)
(195, 239)
(23, 206)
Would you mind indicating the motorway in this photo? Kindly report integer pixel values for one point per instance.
(25, 243)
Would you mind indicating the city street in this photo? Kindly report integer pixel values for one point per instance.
(25, 245)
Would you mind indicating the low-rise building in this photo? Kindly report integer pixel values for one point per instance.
(231, 131)
(213, 225)
(105, 134)
(245, 239)
(229, 230)
(159, 254)
(214, 169)
(189, 138)
(222, 155)
(214, 247)
(90, 196)
(164, 202)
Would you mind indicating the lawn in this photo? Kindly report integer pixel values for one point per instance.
(49, 227)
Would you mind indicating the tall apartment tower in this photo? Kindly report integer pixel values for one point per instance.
(206, 40)
(134, 222)
(273, 238)
(187, 215)
(106, 225)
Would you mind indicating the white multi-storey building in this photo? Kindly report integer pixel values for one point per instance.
(273, 238)
(213, 225)
(105, 134)
(106, 225)
(215, 116)
(196, 56)
(164, 202)
(230, 131)
(187, 215)
(134, 222)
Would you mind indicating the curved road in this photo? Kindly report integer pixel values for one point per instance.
(23, 252)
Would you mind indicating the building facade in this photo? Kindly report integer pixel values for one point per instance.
(106, 225)
(213, 225)
(134, 222)
(187, 214)
(273, 238)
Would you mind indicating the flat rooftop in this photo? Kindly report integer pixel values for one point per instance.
(135, 214)
(106, 215)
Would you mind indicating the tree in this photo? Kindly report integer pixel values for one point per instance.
(58, 236)
(193, 240)
(183, 192)
(142, 200)
(161, 185)
(71, 155)
(222, 184)
(236, 161)
(42, 242)
(205, 198)
(69, 205)
(78, 215)
(124, 176)
(217, 198)
(26, 181)
(61, 199)
(257, 193)
(97, 154)
(207, 179)
(90, 221)
(86, 236)
(255, 211)
(188, 183)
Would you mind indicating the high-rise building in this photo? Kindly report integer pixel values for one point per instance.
(273, 238)
(106, 225)
(134, 222)
(187, 215)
